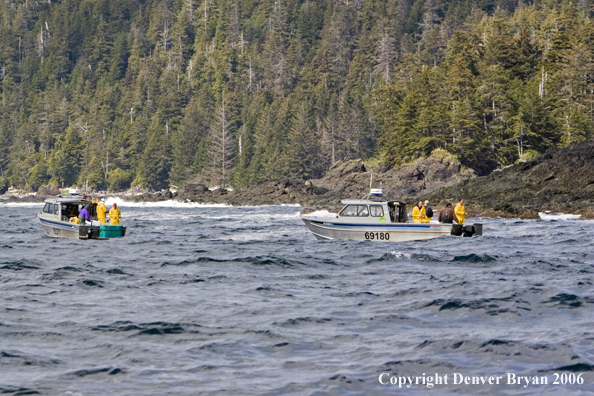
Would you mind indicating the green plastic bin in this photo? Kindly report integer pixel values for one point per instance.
(110, 231)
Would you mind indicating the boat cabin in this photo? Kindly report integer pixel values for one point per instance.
(370, 209)
(60, 219)
(66, 208)
(376, 219)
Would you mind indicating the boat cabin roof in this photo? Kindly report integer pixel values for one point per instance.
(81, 200)
(368, 202)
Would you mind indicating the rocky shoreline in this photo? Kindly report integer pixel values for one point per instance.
(343, 181)
(559, 180)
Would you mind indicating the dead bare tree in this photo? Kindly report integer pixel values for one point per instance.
(222, 144)
(384, 58)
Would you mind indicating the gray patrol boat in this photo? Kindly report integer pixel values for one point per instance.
(372, 218)
(57, 212)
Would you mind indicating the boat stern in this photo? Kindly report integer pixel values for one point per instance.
(467, 230)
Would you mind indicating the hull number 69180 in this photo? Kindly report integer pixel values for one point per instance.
(381, 236)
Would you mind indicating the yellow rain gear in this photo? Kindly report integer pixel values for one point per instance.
(419, 215)
(101, 212)
(114, 216)
(460, 213)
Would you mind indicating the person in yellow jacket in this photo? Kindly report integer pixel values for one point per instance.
(460, 211)
(101, 211)
(114, 215)
(419, 215)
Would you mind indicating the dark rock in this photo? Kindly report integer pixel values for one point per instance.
(23, 199)
(220, 191)
(193, 189)
(315, 190)
(559, 180)
(48, 190)
(139, 189)
(383, 168)
(341, 169)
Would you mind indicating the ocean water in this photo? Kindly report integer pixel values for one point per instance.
(217, 300)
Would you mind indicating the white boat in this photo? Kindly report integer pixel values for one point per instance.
(57, 212)
(548, 215)
(375, 219)
(70, 191)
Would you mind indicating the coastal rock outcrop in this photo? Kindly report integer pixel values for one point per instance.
(406, 183)
(344, 180)
(559, 180)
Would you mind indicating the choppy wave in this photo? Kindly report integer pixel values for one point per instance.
(22, 204)
(244, 300)
(121, 201)
(321, 213)
(475, 258)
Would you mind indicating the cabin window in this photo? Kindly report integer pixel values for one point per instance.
(355, 210)
(46, 208)
(376, 210)
(349, 210)
(56, 209)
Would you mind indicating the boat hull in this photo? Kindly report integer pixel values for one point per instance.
(67, 230)
(56, 212)
(59, 229)
(394, 232)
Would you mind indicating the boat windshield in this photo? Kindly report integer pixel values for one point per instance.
(51, 208)
(355, 210)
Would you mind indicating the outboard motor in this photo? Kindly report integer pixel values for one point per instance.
(467, 230)
(90, 232)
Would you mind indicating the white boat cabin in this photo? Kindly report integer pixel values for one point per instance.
(373, 211)
(65, 208)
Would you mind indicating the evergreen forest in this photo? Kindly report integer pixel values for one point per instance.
(154, 93)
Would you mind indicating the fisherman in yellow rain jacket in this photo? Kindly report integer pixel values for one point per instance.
(419, 215)
(114, 215)
(101, 211)
(460, 211)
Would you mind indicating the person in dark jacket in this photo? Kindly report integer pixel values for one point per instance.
(428, 210)
(447, 215)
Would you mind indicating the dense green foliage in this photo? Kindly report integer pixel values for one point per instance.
(505, 88)
(116, 93)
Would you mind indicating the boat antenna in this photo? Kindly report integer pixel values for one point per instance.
(371, 181)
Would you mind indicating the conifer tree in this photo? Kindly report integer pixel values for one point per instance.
(492, 83)
(222, 145)
(67, 160)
